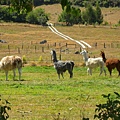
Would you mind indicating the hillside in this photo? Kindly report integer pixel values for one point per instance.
(111, 15)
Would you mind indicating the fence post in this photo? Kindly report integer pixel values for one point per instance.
(55, 44)
(104, 45)
(18, 50)
(42, 49)
(35, 48)
(60, 54)
(22, 46)
(66, 44)
(9, 49)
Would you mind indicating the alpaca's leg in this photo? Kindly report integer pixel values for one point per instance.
(14, 74)
(71, 73)
(110, 71)
(62, 75)
(58, 75)
(118, 69)
(90, 71)
(105, 71)
(20, 72)
(6, 74)
(101, 70)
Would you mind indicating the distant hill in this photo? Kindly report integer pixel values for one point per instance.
(111, 15)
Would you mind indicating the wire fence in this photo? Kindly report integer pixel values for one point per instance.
(35, 48)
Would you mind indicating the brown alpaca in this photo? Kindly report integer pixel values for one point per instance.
(111, 63)
(11, 63)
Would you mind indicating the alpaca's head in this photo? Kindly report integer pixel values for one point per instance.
(103, 56)
(84, 52)
(53, 52)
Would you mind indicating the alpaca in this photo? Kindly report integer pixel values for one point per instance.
(62, 66)
(93, 63)
(111, 63)
(11, 63)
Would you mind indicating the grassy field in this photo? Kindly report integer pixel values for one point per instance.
(40, 95)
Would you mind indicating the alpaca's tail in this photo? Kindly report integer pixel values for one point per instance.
(72, 63)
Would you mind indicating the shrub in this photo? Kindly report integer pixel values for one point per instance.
(71, 17)
(110, 109)
(4, 107)
(24, 59)
(4, 13)
(40, 59)
(37, 16)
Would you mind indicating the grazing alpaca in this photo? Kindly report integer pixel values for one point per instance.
(111, 63)
(62, 66)
(11, 63)
(93, 63)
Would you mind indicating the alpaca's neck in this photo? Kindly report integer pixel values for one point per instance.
(54, 58)
(104, 58)
(85, 57)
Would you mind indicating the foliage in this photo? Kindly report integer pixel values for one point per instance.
(4, 107)
(91, 15)
(22, 6)
(8, 15)
(102, 3)
(82, 3)
(64, 3)
(99, 16)
(4, 13)
(110, 109)
(37, 16)
(72, 17)
(24, 59)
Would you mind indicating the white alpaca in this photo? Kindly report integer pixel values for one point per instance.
(93, 63)
(11, 63)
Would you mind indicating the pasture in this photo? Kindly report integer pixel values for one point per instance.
(40, 95)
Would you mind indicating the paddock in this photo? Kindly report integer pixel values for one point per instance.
(39, 92)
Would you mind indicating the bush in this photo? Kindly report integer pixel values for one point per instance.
(4, 13)
(37, 16)
(24, 59)
(71, 17)
(110, 109)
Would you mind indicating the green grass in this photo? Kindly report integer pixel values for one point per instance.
(40, 95)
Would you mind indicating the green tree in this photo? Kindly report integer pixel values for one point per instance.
(99, 16)
(91, 15)
(22, 6)
(37, 16)
(64, 3)
(71, 17)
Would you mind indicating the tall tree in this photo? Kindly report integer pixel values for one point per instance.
(64, 3)
(99, 16)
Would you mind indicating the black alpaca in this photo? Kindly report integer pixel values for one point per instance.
(62, 66)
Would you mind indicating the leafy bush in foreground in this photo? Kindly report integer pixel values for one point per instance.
(110, 109)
